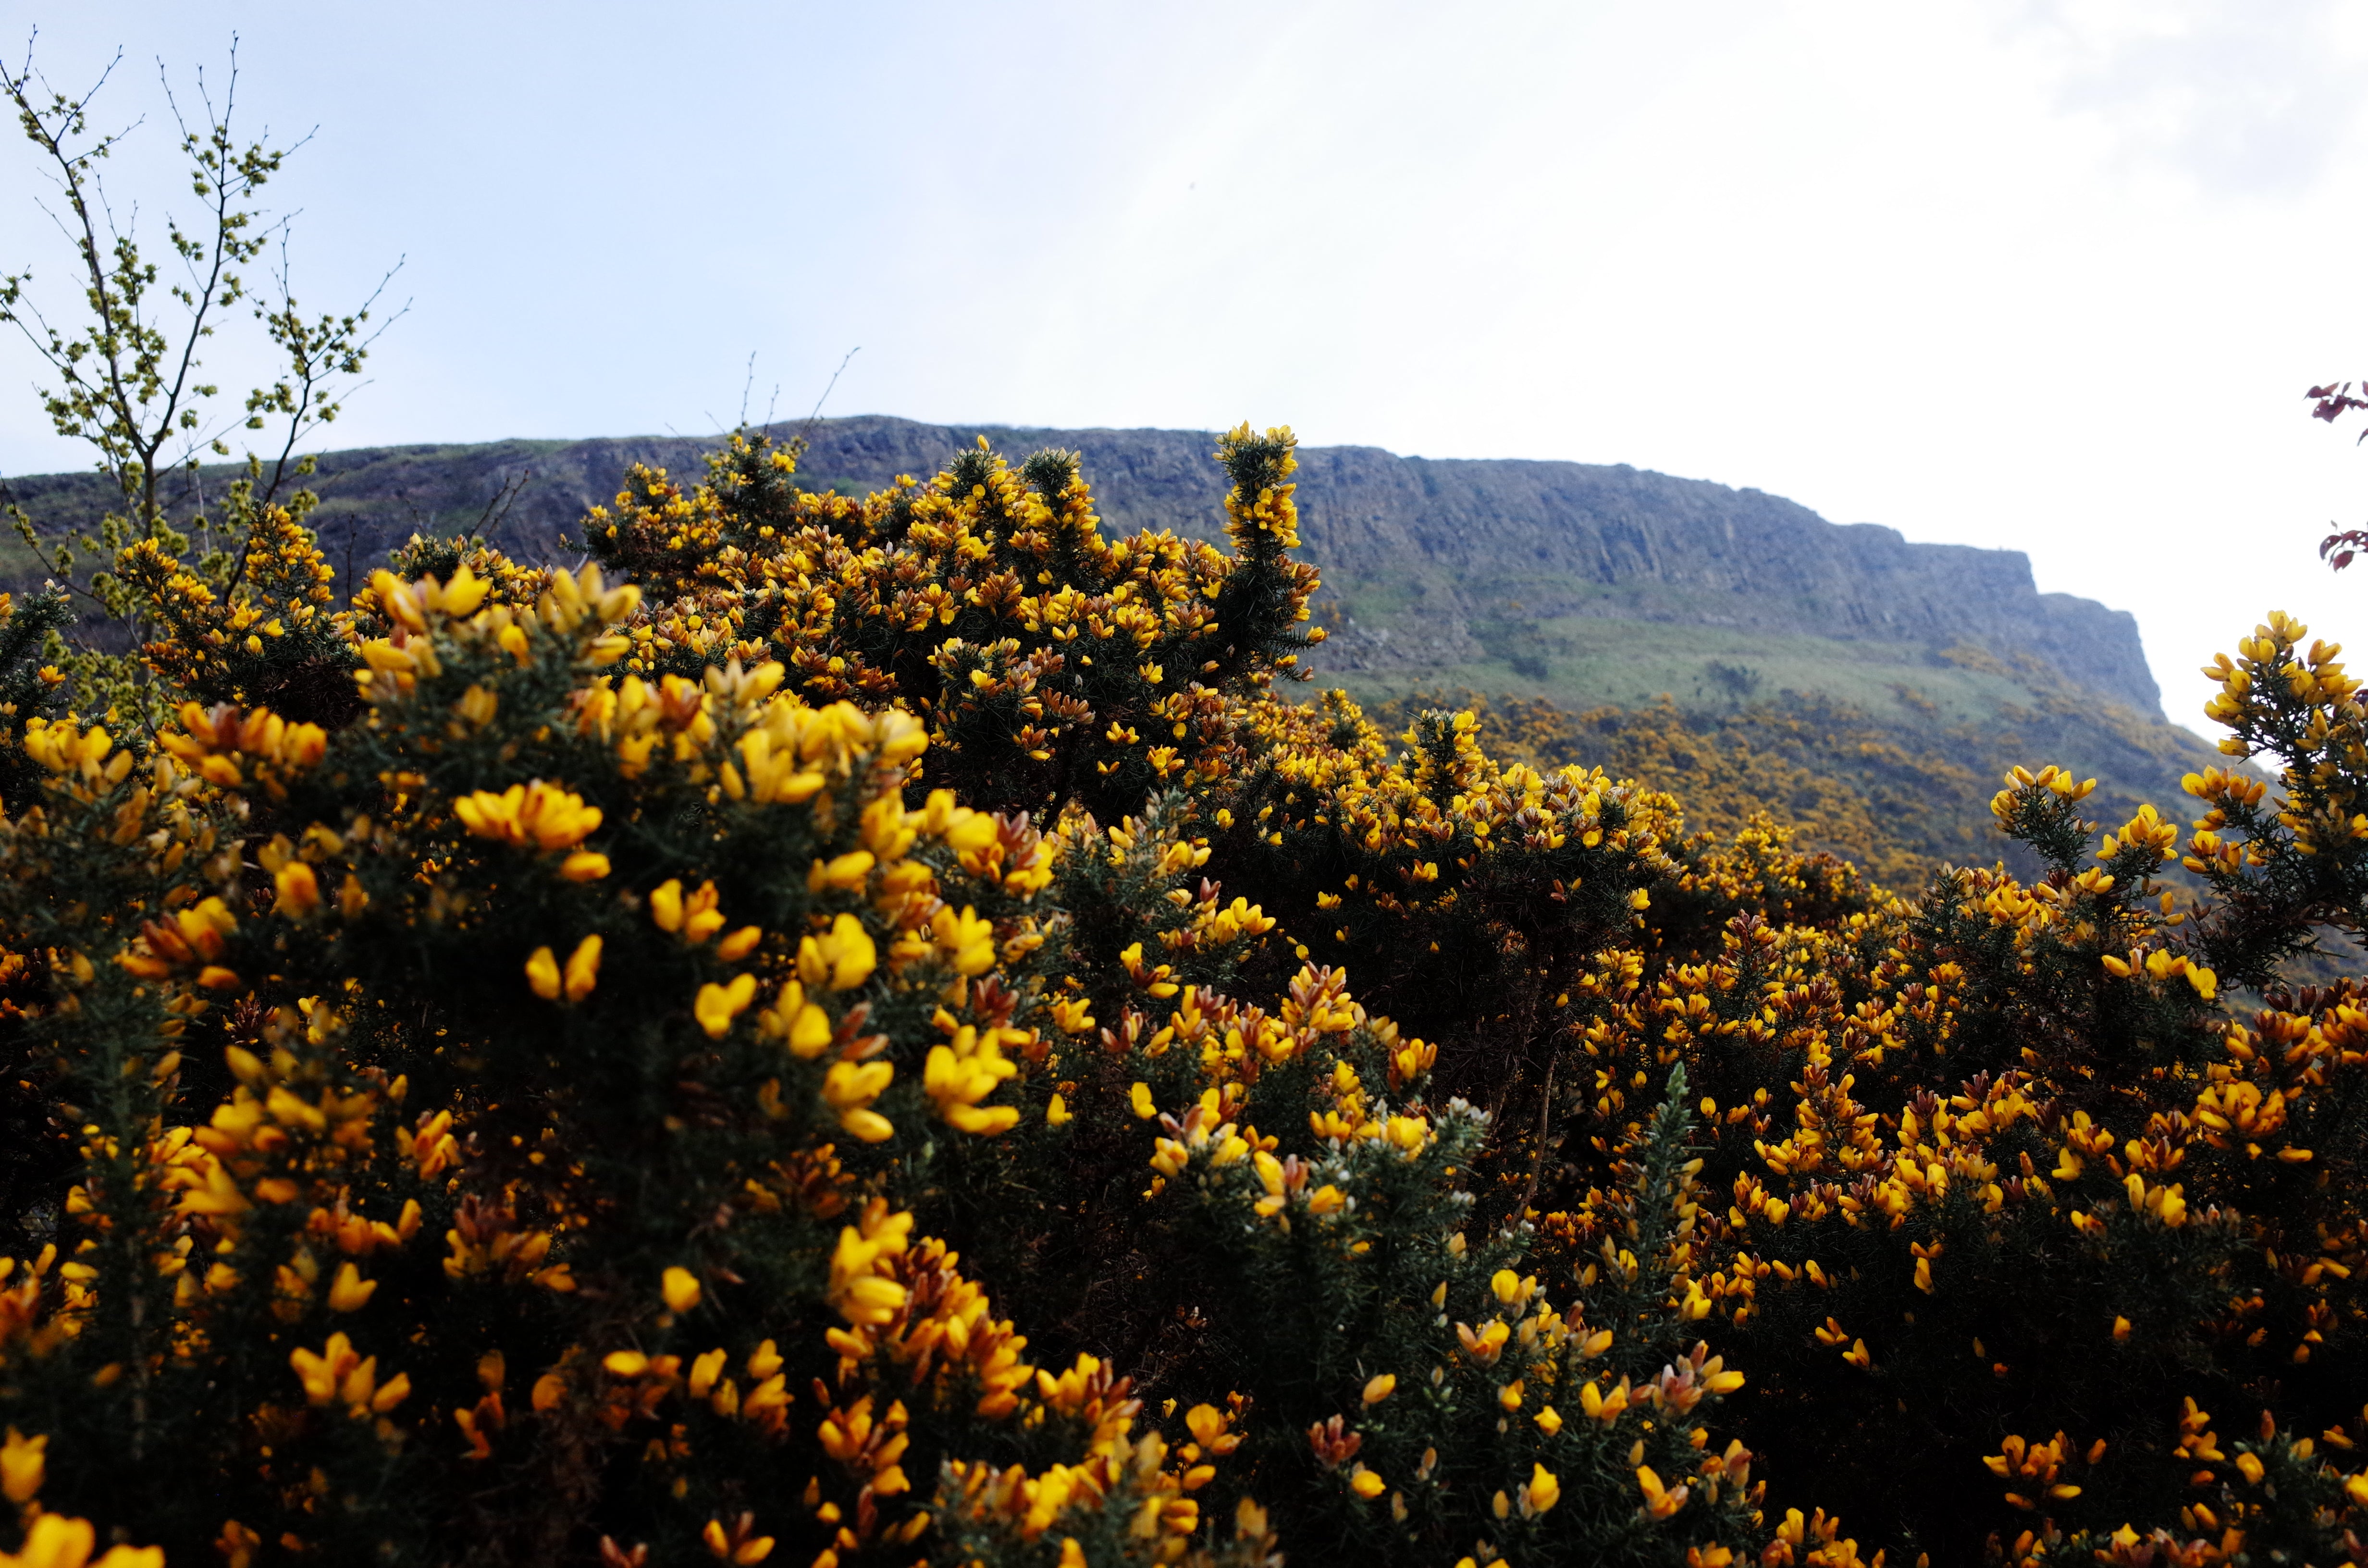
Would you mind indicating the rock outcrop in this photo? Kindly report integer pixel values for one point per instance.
(1416, 552)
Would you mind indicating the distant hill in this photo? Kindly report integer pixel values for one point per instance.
(1589, 587)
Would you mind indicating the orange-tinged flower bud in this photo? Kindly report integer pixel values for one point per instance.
(868, 1125)
(701, 918)
(583, 969)
(350, 1291)
(1380, 1388)
(322, 1373)
(300, 891)
(542, 974)
(22, 1465)
(717, 1006)
(55, 1541)
(1487, 1345)
(391, 1392)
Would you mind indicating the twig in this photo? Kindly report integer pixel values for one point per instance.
(497, 510)
(807, 428)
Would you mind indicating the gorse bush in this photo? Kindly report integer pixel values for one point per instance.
(1049, 664)
(868, 1030)
(1897, 800)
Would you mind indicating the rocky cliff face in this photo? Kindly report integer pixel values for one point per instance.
(1421, 557)
(1458, 541)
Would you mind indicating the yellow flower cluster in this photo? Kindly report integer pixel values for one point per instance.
(986, 601)
(274, 600)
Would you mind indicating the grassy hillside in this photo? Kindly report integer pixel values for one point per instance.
(1894, 777)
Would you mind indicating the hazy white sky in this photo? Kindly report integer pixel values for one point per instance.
(2049, 275)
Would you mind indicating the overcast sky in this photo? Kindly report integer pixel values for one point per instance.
(2048, 276)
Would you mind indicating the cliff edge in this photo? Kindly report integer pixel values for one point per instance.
(1431, 566)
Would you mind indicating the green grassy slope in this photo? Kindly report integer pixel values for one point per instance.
(1885, 756)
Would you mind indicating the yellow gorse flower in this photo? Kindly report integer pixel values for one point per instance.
(531, 815)
(960, 1073)
(340, 1375)
(1544, 1490)
(839, 959)
(717, 1006)
(22, 1466)
(53, 1541)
